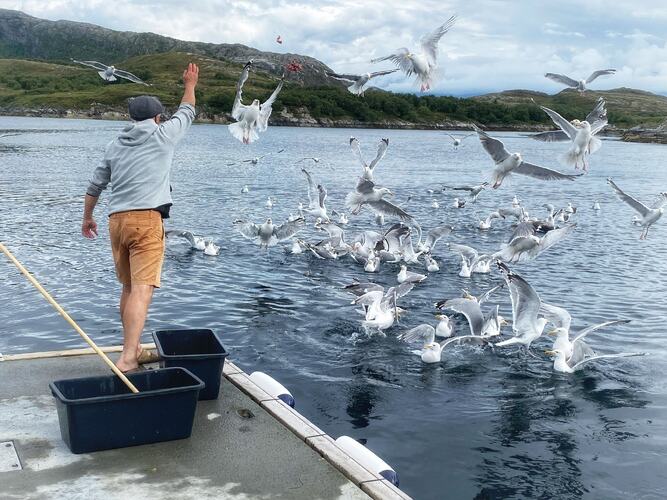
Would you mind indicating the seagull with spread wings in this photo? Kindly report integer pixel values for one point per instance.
(582, 137)
(254, 118)
(506, 163)
(580, 85)
(424, 63)
(526, 245)
(109, 73)
(648, 215)
(369, 168)
(267, 234)
(358, 81)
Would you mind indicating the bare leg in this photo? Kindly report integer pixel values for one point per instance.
(135, 309)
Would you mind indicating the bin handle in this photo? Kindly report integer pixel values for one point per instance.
(69, 319)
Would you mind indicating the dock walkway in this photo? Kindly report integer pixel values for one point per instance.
(244, 445)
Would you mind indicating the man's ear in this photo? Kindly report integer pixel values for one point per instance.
(157, 119)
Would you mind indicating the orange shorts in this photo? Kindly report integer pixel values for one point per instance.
(137, 243)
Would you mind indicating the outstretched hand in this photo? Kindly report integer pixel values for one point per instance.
(191, 75)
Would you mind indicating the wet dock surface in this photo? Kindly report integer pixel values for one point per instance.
(237, 450)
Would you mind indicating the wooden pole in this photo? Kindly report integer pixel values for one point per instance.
(69, 319)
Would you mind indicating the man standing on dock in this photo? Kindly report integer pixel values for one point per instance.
(137, 164)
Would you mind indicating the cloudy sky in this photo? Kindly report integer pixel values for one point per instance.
(495, 45)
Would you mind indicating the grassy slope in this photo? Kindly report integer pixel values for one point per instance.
(26, 84)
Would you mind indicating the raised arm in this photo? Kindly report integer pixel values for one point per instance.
(175, 128)
(190, 78)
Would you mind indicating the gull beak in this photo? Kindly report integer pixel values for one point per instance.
(552, 332)
(550, 353)
(504, 322)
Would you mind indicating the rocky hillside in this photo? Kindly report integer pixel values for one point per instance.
(26, 37)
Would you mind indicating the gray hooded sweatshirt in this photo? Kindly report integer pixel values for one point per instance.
(138, 162)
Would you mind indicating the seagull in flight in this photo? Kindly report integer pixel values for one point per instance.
(580, 85)
(358, 81)
(648, 215)
(424, 63)
(513, 163)
(254, 118)
(109, 73)
(369, 167)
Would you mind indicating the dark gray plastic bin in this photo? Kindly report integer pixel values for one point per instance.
(101, 413)
(199, 351)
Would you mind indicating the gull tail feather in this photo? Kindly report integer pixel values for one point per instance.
(572, 158)
(512, 341)
(238, 131)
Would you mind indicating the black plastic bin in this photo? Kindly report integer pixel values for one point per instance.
(199, 351)
(101, 413)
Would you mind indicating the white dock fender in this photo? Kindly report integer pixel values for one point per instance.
(367, 458)
(273, 387)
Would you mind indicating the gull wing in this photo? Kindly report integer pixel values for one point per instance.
(435, 234)
(565, 80)
(561, 122)
(345, 78)
(429, 42)
(557, 316)
(554, 236)
(265, 109)
(354, 144)
(607, 356)
(370, 298)
(288, 229)
(424, 333)
(460, 188)
(188, 235)
(659, 203)
(471, 310)
(129, 76)
(385, 207)
(598, 113)
(485, 296)
(461, 338)
(598, 73)
(92, 64)
(238, 104)
(382, 149)
(543, 173)
(364, 186)
(593, 328)
(468, 252)
(313, 195)
(385, 72)
(360, 289)
(638, 206)
(551, 136)
(248, 230)
(494, 147)
(522, 230)
(525, 302)
(322, 195)
(401, 59)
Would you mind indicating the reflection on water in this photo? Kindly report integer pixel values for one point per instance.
(478, 425)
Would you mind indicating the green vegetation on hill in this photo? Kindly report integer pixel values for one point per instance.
(62, 85)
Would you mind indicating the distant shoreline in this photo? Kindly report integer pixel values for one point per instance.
(653, 136)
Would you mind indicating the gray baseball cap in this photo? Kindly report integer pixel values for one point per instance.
(144, 107)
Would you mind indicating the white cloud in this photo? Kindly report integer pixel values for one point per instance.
(494, 45)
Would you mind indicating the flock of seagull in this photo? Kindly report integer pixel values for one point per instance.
(405, 243)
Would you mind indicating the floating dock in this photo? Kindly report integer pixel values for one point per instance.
(246, 444)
